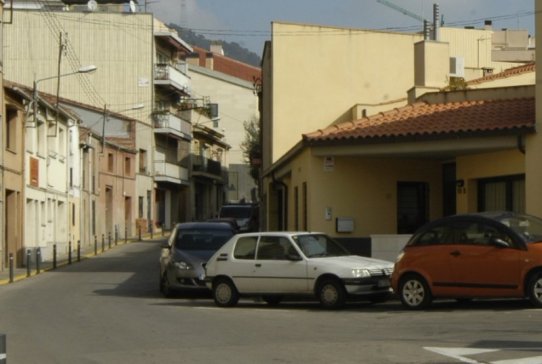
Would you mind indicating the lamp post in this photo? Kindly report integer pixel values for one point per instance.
(84, 69)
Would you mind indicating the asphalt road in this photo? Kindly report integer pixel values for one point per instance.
(107, 309)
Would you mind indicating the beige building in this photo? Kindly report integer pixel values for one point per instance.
(123, 81)
(12, 177)
(231, 85)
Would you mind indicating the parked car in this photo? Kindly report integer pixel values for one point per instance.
(190, 245)
(493, 254)
(277, 264)
(245, 214)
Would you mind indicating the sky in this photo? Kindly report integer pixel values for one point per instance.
(248, 22)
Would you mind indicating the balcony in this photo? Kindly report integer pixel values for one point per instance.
(206, 166)
(174, 77)
(171, 173)
(166, 122)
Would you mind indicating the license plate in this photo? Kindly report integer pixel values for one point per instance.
(383, 283)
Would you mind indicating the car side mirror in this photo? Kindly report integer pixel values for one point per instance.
(293, 257)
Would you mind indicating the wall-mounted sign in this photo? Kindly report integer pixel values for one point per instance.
(344, 224)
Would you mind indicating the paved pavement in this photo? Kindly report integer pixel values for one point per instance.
(9, 276)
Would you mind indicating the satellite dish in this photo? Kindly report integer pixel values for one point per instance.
(133, 7)
(92, 5)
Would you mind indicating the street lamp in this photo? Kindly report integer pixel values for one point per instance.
(84, 69)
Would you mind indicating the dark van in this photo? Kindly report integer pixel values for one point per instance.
(246, 216)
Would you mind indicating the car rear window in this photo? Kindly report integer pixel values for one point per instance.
(202, 239)
(238, 212)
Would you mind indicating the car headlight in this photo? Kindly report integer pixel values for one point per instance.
(182, 265)
(360, 273)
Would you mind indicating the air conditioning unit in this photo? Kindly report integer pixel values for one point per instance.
(457, 66)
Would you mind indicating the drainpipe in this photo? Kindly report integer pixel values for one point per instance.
(521, 143)
(283, 211)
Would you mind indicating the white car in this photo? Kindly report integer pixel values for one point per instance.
(277, 264)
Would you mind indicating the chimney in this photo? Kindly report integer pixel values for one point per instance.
(436, 22)
(209, 61)
(488, 25)
(216, 48)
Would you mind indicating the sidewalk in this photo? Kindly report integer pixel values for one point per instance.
(8, 277)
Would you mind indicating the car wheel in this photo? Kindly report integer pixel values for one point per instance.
(165, 287)
(224, 293)
(534, 289)
(331, 294)
(272, 300)
(414, 292)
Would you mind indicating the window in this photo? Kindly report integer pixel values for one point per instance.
(127, 166)
(110, 161)
(245, 248)
(296, 207)
(142, 161)
(305, 207)
(11, 130)
(274, 248)
(503, 193)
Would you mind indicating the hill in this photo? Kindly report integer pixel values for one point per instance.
(231, 49)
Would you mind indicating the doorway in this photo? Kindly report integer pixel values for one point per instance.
(412, 206)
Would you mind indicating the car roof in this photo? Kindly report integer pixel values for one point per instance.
(206, 225)
(282, 233)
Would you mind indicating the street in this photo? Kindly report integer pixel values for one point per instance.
(108, 309)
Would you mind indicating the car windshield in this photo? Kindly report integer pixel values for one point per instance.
(237, 212)
(529, 227)
(319, 245)
(202, 239)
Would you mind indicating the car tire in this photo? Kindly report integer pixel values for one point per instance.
(331, 294)
(224, 293)
(165, 287)
(272, 300)
(414, 292)
(534, 289)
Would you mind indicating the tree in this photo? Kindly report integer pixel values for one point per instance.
(251, 147)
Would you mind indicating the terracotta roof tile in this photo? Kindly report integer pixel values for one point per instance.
(530, 67)
(429, 120)
(230, 66)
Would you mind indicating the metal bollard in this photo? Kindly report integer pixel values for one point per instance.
(103, 243)
(125, 235)
(95, 245)
(11, 271)
(69, 252)
(28, 257)
(38, 260)
(116, 234)
(54, 256)
(109, 239)
(139, 232)
(151, 231)
(3, 349)
(78, 250)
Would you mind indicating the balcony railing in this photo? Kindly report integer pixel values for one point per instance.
(168, 75)
(166, 122)
(169, 172)
(206, 165)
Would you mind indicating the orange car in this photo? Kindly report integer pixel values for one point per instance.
(485, 255)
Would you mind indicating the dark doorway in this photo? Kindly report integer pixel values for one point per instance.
(449, 195)
(412, 206)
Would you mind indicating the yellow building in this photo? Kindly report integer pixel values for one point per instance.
(359, 139)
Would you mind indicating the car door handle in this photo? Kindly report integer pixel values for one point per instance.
(455, 253)
(258, 265)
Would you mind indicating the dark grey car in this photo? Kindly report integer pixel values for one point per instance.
(190, 245)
